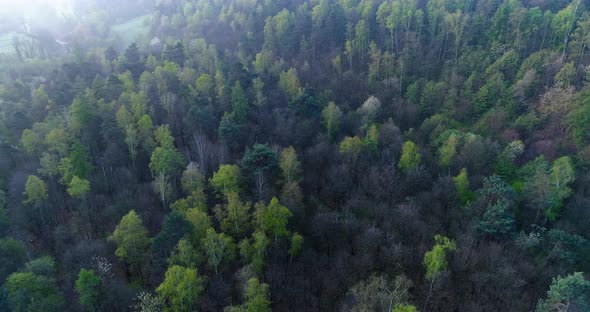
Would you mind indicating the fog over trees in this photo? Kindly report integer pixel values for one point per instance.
(295, 155)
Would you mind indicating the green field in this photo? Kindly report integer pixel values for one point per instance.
(131, 29)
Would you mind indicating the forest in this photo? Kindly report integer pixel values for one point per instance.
(295, 155)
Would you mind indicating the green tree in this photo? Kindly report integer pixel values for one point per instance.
(174, 228)
(80, 160)
(562, 174)
(569, 293)
(201, 222)
(82, 111)
(448, 150)
(435, 260)
(351, 147)
(296, 245)
(404, 308)
(181, 288)
(185, 255)
(57, 141)
(462, 186)
(88, 289)
(239, 103)
(234, 216)
(290, 165)
(193, 180)
(579, 118)
(498, 220)
(258, 86)
(219, 249)
(257, 297)
(259, 246)
(30, 142)
(12, 255)
(78, 187)
(505, 166)
(132, 240)
(273, 219)
(167, 161)
(49, 165)
(29, 292)
(35, 191)
(331, 116)
(163, 136)
(145, 133)
(289, 83)
(205, 85)
(410, 158)
(226, 180)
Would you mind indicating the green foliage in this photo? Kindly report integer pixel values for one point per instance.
(462, 186)
(185, 255)
(273, 219)
(435, 260)
(410, 158)
(226, 180)
(371, 140)
(193, 180)
(12, 256)
(163, 137)
(290, 165)
(35, 191)
(41, 266)
(80, 160)
(234, 216)
(331, 116)
(28, 292)
(239, 103)
(498, 221)
(219, 248)
(404, 308)
(30, 142)
(88, 289)
(579, 119)
(257, 297)
(167, 161)
(205, 84)
(200, 221)
(296, 244)
(174, 228)
(562, 174)
(569, 293)
(351, 147)
(289, 83)
(78, 187)
(260, 159)
(181, 288)
(230, 130)
(131, 238)
(505, 166)
(568, 248)
(448, 150)
(82, 112)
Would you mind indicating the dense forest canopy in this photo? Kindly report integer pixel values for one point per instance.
(293, 155)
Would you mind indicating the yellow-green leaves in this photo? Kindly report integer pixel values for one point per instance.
(410, 158)
(435, 260)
